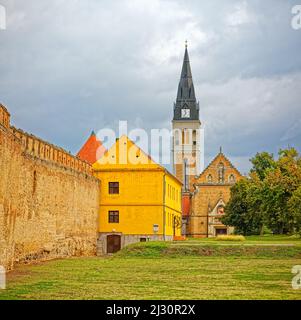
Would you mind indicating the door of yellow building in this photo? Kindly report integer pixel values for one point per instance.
(113, 243)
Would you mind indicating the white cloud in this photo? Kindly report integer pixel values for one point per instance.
(96, 62)
(251, 110)
(240, 15)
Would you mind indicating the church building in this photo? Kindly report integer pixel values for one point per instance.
(205, 192)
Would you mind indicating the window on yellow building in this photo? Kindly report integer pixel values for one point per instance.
(113, 187)
(113, 216)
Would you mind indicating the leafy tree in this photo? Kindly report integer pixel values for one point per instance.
(294, 206)
(262, 163)
(238, 213)
(270, 197)
(280, 185)
(255, 203)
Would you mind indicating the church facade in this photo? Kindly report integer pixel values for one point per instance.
(205, 191)
(210, 192)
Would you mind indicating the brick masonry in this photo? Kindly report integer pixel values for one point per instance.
(49, 200)
(209, 191)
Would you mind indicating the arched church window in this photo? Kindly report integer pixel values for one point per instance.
(220, 210)
(221, 173)
(232, 178)
(210, 178)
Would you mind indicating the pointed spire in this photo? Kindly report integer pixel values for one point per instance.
(186, 74)
(93, 133)
(221, 150)
(186, 93)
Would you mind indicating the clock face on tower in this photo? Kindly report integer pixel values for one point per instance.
(185, 113)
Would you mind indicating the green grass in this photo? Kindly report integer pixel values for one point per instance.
(207, 248)
(186, 270)
(259, 240)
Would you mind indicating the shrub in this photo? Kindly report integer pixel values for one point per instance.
(230, 238)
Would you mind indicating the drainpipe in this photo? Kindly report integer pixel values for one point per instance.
(208, 225)
(164, 217)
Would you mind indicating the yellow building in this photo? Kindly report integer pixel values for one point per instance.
(139, 199)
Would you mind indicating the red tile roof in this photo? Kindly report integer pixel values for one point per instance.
(92, 150)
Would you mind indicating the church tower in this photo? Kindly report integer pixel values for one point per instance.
(187, 134)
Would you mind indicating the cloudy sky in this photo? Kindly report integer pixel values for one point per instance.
(70, 66)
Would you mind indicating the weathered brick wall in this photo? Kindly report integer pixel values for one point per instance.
(48, 209)
(206, 198)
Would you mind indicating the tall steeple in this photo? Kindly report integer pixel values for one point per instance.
(186, 99)
(188, 146)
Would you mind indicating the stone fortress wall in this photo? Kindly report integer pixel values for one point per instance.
(49, 200)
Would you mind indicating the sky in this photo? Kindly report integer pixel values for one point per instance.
(68, 67)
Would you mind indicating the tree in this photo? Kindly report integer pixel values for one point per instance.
(294, 206)
(280, 184)
(270, 197)
(238, 213)
(262, 164)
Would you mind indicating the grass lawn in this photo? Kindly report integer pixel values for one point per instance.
(190, 270)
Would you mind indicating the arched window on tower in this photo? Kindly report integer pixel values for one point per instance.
(177, 137)
(188, 137)
(194, 137)
(221, 173)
